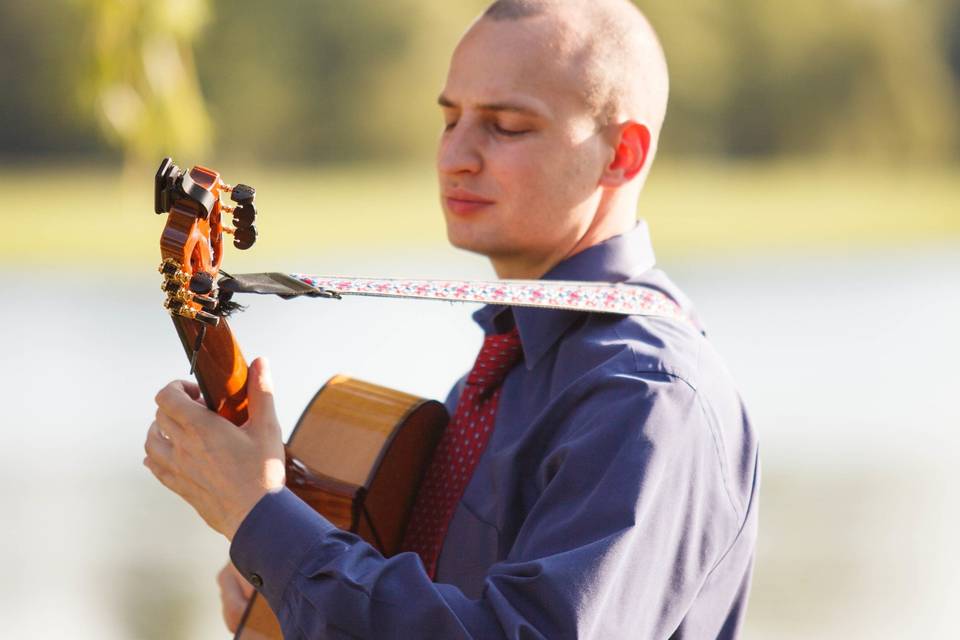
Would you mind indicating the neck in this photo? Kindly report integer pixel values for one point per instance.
(611, 219)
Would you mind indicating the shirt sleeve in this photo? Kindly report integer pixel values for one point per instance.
(629, 515)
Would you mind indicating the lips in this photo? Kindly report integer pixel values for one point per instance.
(464, 202)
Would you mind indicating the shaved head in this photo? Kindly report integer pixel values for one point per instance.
(620, 61)
(551, 110)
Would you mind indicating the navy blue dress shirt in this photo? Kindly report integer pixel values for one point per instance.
(617, 496)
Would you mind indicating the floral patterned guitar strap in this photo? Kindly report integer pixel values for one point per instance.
(595, 297)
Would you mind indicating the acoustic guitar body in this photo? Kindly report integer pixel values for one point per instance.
(357, 456)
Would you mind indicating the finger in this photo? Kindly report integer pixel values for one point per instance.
(175, 401)
(230, 580)
(193, 390)
(176, 453)
(156, 446)
(245, 585)
(170, 428)
(163, 474)
(175, 479)
(263, 411)
(233, 597)
(164, 460)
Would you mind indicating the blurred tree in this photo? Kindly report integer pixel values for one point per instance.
(329, 81)
(293, 80)
(326, 80)
(39, 59)
(141, 80)
(952, 36)
(856, 77)
(703, 69)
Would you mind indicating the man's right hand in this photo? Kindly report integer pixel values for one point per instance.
(235, 592)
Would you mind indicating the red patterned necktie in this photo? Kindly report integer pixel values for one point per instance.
(460, 448)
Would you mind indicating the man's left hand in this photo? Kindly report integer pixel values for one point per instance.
(222, 470)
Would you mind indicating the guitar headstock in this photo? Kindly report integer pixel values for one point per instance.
(192, 242)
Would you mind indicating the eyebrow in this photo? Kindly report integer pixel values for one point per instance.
(447, 103)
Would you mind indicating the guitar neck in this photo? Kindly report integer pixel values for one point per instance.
(221, 369)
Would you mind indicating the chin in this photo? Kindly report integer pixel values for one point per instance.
(463, 241)
(459, 235)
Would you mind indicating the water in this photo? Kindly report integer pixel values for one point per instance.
(847, 364)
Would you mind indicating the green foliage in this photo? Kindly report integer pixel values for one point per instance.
(141, 79)
(850, 77)
(40, 58)
(334, 81)
(323, 79)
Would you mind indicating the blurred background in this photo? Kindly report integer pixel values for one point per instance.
(807, 196)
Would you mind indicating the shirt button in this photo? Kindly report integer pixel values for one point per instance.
(256, 580)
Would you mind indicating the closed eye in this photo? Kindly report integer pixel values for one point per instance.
(509, 132)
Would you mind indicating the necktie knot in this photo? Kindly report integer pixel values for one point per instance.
(499, 353)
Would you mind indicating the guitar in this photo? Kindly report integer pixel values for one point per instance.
(359, 451)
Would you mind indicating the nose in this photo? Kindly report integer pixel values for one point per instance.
(459, 150)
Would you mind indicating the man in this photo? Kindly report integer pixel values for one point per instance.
(616, 495)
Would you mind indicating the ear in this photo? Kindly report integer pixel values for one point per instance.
(631, 152)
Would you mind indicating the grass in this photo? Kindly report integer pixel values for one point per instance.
(95, 217)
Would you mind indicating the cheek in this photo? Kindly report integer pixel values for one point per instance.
(552, 186)
(532, 174)
(531, 198)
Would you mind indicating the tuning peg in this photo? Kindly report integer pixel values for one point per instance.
(170, 286)
(208, 303)
(243, 194)
(244, 215)
(180, 308)
(169, 267)
(183, 296)
(171, 271)
(244, 237)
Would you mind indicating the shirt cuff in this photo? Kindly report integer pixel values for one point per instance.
(272, 541)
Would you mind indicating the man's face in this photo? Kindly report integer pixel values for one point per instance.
(520, 158)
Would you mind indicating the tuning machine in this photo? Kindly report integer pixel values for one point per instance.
(184, 291)
(244, 216)
(183, 309)
(171, 271)
(244, 230)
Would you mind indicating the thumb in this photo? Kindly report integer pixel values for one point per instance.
(263, 413)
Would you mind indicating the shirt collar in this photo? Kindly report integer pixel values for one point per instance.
(617, 259)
